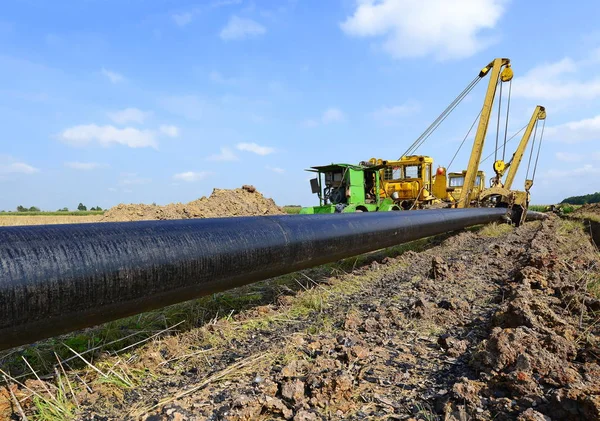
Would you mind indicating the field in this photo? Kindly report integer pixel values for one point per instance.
(10, 219)
(448, 327)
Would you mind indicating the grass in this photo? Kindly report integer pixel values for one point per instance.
(588, 215)
(292, 210)
(7, 219)
(122, 354)
(495, 230)
(594, 285)
(539, 208)
(59, 213)
(565, 208)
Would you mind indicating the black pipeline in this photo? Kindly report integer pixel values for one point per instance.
(59, 278)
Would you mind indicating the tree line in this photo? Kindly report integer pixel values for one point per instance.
(81, 207)
(583, 200)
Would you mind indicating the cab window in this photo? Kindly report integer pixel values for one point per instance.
(457, 181)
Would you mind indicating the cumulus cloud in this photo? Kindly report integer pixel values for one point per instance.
(330, 115)
(188, 106)
(218, 77)
(445, 29)
(575, 131)
(182, 19)
(114, 77)
(275, 169)
(391, 114)
(584, 170)
(569, 156)
(255, 148)
(226, 155)
(129, 115)
(170, 131)
(191, 176)
(130, 179)
(83, 135)
(84, 166)
(9, 165)
(565, 79)
(239, 28)
(310, 122)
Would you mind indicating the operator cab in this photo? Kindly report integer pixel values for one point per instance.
(456, 181)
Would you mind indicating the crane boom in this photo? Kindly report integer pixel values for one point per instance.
(497, 71)
(538, 114)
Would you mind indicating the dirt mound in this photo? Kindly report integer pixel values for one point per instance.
(593, 208)
(246, 201)
(542, 352)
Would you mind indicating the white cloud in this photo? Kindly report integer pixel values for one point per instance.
(107, 135)
(188, 106)
(254, 148)
(221, 3)
(191, 176)
(182, 19)
(446, 29)
(310, 123)
(275, 169)
(240, 28)
(9, 166)
(332, 115)
(560, 80)
(170, 131)
(129, 115)
(584, 170)
(114, 77)
(391, 115)
(575, 131)
(217, 77)
(84, 166)
(130, 179)
(112, 189)
(225, 155)
(569, 157)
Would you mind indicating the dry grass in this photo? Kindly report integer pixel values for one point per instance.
(495, 230)
(588, 215)
(12, 220)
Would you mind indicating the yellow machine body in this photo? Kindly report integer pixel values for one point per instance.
(456, 182)
(407, 181)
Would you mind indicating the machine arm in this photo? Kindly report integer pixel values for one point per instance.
(499, 68)
(538, 114)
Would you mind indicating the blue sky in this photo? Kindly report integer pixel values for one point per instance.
(112, 101)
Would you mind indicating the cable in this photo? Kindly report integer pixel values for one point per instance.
(498, 119)
(538, 152)
(511, 138)
(507, 115)
(442, 116)
(532, 147)
(463, 141)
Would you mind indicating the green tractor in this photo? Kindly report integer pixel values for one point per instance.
(348, 188)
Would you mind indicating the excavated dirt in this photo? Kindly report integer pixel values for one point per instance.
(591, 209)
(482, 326)
(246, 201)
